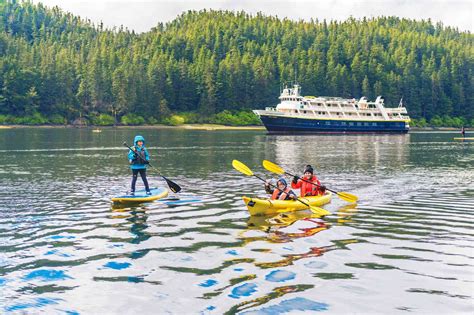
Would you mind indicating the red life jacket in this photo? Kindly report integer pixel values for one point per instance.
(307, 189)
(280, 196)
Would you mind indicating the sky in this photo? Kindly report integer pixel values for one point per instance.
(142, 15)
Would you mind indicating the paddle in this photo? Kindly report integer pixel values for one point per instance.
(172, 185)
(272, 167)
(241, 167)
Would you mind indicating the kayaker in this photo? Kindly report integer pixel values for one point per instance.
(463, 132)
(138, 158)
(283, 192)
(308, 189)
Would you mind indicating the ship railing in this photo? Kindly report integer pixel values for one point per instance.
(396, 110)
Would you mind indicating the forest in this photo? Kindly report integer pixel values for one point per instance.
(216, 66)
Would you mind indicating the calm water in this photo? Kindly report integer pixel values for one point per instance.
(406, 247)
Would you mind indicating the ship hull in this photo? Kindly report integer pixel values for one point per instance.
(279, 124)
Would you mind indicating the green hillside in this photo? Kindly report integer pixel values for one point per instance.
(55, 67)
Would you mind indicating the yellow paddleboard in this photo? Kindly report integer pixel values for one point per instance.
(141, 196)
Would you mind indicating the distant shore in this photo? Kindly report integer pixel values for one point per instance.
(209, 127)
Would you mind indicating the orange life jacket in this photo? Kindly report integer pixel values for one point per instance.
(280, 196)
(307, 189)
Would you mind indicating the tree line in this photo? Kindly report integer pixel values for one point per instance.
(215, 66)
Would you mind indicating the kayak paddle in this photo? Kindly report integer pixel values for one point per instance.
(172, 185)
(272, 167)
(241, 167)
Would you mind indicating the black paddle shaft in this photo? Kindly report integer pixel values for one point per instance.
(138, 155)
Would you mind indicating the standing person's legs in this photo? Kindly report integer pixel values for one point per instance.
(134, 179)
(145, 181)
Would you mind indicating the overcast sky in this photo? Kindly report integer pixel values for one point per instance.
(141, 15)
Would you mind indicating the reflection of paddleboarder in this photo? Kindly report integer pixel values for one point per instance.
(463, 132)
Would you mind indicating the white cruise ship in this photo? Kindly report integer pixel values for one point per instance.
(309, 114)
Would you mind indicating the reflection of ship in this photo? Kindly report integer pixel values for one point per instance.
(387, 150)
(300, 114)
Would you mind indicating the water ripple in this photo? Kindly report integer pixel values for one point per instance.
(407, 246)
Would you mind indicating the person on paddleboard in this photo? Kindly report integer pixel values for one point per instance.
(309, 184)
(138, 158)
(282, 192)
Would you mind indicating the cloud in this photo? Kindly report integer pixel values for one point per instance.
(142, 15)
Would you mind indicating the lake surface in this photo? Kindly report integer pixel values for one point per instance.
(407, 246)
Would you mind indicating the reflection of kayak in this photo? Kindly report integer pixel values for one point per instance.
(260, 206)
(345, 213)
(465, 139)
(141, 196)
(259, 222)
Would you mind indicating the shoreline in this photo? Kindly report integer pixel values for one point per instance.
(207, 127)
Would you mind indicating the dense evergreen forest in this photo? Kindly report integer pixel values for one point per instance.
(214, 66)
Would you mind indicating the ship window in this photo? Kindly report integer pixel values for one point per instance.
(304, 111)
(374, 124)
(343, 123)
(351, 124)
(296, 111)
(328, 123)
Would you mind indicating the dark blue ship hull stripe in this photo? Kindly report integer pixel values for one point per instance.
(290, 124)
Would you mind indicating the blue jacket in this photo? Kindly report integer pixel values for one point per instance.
(136, 162)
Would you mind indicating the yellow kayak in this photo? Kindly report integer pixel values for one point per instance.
(260, 206)
(465, 139)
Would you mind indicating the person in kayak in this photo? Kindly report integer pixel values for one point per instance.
(282, 192)
(313, 188)
(463, 132)
(138, 158)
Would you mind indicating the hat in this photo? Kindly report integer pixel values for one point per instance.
(138, 138)
(283, 181)
(308, 168)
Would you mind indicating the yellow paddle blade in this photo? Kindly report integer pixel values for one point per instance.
(272, 167)
(241, 167)
(347, 197)
(319, 211)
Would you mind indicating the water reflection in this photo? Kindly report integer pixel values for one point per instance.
(345, 213)
(137, 217)
(313, 252)
(353, 150)
(65, 248)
